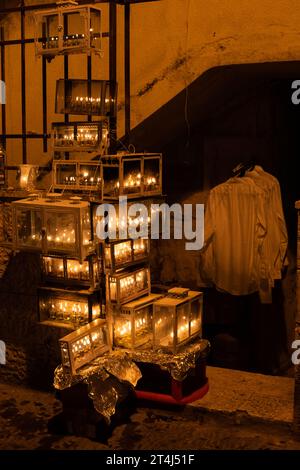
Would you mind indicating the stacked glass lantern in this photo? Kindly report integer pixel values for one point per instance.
(93, 98)
(61, 231)
(84, 345)
(86, 275)
(177, 319)
(68, 30)
(129, 301)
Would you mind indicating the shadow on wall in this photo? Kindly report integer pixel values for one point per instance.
(235, 113)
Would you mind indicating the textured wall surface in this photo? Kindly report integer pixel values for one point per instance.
(173, 42)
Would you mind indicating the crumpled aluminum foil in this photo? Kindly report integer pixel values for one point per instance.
(110, 377)
(100, 376)
(178, 364)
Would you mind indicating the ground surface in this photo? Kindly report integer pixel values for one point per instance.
(24, 416)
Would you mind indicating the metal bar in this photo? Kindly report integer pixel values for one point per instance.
(127, 72)
(45, 109)
(89, 77)
(14, 42)
(66, 76)
(24, 136)
(3, 109)
(23, 84)
(113, 73)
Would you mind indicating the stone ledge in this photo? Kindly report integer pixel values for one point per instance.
(248, 396)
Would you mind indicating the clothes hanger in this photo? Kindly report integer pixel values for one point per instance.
(242, 167)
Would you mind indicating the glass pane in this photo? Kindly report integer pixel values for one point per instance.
(66, 174)
(84, 97)
(82, 350)
(132, 176)
(61, 230)
(127, 286)
(122, 332)
(53, 267)
(99, 339)
(89, 175)
(95, 29)
(48, 30)
(143, 326)
(86, 228)
(29, 226)
(122, 252)
(74, 32)
(141, 280)
(111, 183)
(67, 311)
(182, 323)
(88, 136)
(65, 355)
(140, 248)
(163, 327)
(196, 307)
(78, 271)
(151, 174)
(64, 136)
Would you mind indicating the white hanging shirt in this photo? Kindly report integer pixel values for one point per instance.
(235, 228)
(245, 235)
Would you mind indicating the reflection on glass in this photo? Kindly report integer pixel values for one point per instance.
(60, 227)
(196, 309)
(111, 183)
(125, 286)
(86, 228)
(66, 174)
(29, 227)
(134, 331)
(53, 267)
(151, 174)
(164, 327)
(67, 311)
(132, 176)
(89, 175)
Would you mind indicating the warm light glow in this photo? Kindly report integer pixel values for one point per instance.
(70, 311)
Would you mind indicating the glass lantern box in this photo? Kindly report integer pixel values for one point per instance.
(128, 285)
(74, 175)
(84, 345)
(27, 177)
(86, 97)
(132, 323)
(68, 30)
(80, 136)
(52, 226)
(66, 271)
(131, 175)
(177, 319)
(70, 308)
(123, 253)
